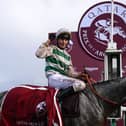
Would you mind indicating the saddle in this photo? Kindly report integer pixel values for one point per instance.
(70, 106)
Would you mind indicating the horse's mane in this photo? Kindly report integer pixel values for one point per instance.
(100, 87)
(117, 80)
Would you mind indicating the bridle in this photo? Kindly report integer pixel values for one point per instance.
(96, 93)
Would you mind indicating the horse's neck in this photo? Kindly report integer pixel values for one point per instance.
(114, 90)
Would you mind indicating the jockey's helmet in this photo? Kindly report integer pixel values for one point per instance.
(63, 33)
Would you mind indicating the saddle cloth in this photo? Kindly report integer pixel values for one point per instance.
(19, 107)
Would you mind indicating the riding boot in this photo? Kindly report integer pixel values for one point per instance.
(64, 93)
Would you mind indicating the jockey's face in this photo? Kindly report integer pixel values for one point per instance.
(62, 43)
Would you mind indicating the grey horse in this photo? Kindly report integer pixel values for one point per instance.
(96, 106)
(98, 101)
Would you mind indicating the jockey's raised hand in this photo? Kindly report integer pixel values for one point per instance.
(47, 43)
(44, 50)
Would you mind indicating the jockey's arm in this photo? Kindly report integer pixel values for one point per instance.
(44, 50)
(78, 75)
(73, 73)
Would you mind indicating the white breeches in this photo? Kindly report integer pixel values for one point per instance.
(61, 82)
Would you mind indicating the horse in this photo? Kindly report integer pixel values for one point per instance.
(98, 101)
(103, 30)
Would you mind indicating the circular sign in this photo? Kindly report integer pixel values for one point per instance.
(94, 29)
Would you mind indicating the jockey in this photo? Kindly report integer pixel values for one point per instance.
(59, 68)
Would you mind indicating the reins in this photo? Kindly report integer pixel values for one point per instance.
(96, 93)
